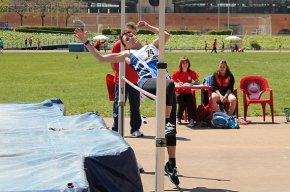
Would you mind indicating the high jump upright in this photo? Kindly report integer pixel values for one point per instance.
(160, 105)
(160, 140)
(121, 102)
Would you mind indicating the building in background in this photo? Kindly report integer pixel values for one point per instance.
(263, 17)
(193, 6)
(235, 6)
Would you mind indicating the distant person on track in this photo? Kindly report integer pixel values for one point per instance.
(280, 46)
(1, 45)
(236, 48)
(25, 42)
(30, 41)
(98, 45)
(105, 44)
(38, 47)
(205, 46)
(223, 46)
(214, 46)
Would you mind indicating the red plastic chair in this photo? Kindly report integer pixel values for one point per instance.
(253, 88)
(110, 86)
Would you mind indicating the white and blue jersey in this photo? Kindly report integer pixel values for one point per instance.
(144, 61)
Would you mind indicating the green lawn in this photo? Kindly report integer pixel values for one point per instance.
(197, 41)
(80, 83)
(16, 39)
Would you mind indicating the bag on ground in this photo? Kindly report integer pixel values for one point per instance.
(202, 112)
(222, 120)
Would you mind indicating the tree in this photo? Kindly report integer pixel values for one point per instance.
(3, 5)
(41, 7)
(20, 7)
(70, 7)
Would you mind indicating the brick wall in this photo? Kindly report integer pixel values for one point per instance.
(246, 23)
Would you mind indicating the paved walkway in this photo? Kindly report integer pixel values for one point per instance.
(254, 158)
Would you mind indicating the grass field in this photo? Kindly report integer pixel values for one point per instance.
(188, 42)
(80, 83)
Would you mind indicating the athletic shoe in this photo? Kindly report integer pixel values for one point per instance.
(137, 134)
(178, 121)
(140, 167)
(143, 118)
(171, 173)
(191, 123)
(141, 170)
(170, 129)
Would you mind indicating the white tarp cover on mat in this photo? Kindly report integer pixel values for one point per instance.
(43, 150)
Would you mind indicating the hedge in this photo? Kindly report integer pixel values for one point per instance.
(220, 32)
(45, 29)
(117, 31)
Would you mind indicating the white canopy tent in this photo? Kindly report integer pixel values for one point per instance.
(233, 38)
(100, 38)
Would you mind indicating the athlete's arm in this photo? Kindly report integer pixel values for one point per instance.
(110, 58)
(144, 25)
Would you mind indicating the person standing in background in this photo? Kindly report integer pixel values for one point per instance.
(105, 44)
(1, 45)
(98, 45)
(38, 47)
(25, 42)
(223, 46)
(205, 46)
(130, 92)
(214, 44)
(280, 46)
(30, 41)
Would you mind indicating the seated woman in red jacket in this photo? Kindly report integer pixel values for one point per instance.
(183, 76)
(223, 88)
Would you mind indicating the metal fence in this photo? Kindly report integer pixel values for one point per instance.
(53, 42)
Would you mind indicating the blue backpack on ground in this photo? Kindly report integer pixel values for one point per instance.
(222, 120)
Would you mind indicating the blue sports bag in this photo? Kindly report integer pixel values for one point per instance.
(222, 120)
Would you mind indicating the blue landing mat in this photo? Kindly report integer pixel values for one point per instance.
(43, 150)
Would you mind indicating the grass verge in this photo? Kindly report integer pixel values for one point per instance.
(80, 83)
